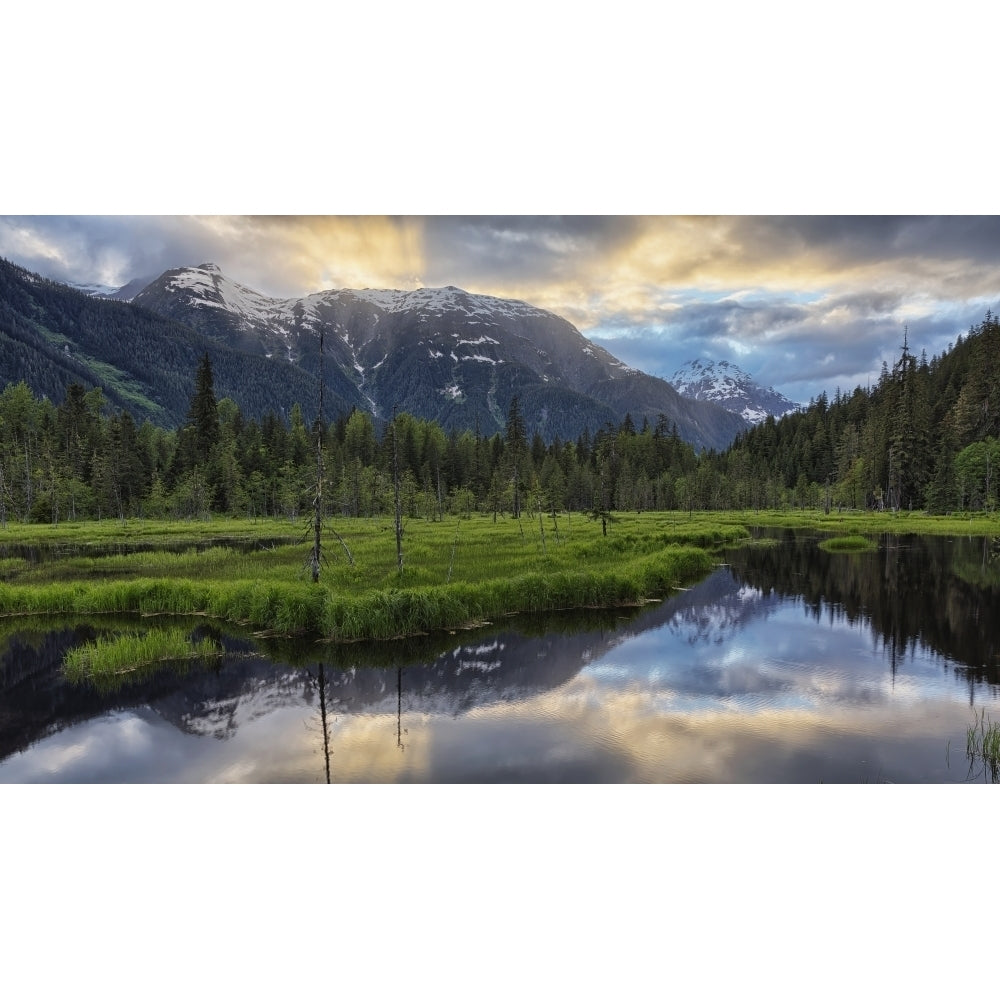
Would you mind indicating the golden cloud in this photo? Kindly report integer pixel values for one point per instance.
(593, 271)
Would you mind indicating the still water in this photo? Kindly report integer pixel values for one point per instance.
(785, 664)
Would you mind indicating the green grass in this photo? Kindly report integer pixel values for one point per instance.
(867, 523)
(134, 652)
(848, 543)
(983, 745)
(255, 573)
(126, 386)
(491, 571)
(11, 568)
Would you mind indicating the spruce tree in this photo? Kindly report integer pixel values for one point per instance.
(517, 441)
(203, 415)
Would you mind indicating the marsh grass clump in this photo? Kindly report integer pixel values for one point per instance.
(387, 613)
(134, 652)
(488, 571)
(983, 746)
(848, 543)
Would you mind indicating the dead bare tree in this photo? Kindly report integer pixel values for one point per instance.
(395, 492)
(317, 550)
(3, 500)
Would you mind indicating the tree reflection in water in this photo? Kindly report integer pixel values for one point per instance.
(324, 720)
(913, 592)
(751, 674)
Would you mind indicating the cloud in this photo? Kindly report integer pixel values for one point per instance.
(800, 348)
(800, 302)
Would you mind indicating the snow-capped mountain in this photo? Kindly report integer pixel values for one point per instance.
(443, 354)
(727, 385)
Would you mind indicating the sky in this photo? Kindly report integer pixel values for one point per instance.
(806, 304)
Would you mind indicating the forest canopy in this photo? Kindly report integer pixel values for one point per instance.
(925, 436)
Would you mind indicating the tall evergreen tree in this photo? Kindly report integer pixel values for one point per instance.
(517, 444)
(203, 414)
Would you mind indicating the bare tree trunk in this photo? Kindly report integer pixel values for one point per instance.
(395, 492)
(541, 526)
(451, 563)
(27, 480)
(317, 552)
(323, 719)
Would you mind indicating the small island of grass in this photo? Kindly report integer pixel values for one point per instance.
(849, 543)
(136, 652)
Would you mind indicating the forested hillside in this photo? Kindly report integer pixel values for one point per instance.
(52, 336)
(925, 436)
(76, 460)
(440, 354)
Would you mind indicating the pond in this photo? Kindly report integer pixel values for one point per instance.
(786, 664)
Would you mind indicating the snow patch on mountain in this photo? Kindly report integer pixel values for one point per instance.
(727, 385)
(437, 301)
(419, 329)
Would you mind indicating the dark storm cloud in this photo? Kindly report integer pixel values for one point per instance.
(854, 240)
(107, 249)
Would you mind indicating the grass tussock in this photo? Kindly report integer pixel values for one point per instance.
(134, 652)
(849, 543)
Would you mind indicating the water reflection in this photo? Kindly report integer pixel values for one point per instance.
(913, 594)
(786, 664)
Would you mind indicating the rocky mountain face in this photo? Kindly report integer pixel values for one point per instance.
(52, 335)
(442, 354)
(730, 387)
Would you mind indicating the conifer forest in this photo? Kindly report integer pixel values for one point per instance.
(926, 436)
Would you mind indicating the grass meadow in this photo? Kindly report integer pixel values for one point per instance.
(456, 572)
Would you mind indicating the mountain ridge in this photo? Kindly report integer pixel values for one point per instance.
(441, 354)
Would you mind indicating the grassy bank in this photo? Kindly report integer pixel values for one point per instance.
(455, 572)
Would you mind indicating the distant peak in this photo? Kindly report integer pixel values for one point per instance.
(726, 384)
(209, 266)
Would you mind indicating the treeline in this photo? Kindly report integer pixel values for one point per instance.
(925, 437)
(75, 461)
